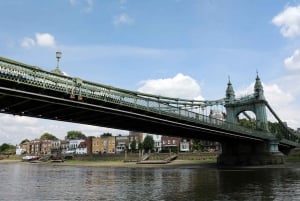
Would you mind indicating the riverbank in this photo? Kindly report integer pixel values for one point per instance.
(207, 163)
(173, 164)
(176, 163)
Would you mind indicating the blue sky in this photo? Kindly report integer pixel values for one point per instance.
(175, 48)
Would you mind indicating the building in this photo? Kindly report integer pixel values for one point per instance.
(45, 147)
(137, 137)
(26, 147)
(20, 150)
(104, 144)
(73, 144)
(40, 147)
(170, 143)
(122, 143)
(186, 145)
(81, 148)
(59, 146)
(88, 141)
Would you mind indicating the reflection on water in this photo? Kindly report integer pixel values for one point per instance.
(42, 182)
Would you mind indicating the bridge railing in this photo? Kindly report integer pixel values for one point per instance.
(75, 87)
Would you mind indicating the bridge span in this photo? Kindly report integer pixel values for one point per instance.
(27, 90)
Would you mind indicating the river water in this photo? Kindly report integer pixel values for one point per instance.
(22, 181)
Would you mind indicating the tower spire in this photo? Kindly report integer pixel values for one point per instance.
(229, 91)
(258, 88)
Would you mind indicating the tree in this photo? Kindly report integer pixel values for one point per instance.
(197, 146)
(247, 123)
(140, 146)
(148, 143)
(23, 141)
(106, 134)
(71, 135)
(133, 145)
(7, 148)
(48, 136)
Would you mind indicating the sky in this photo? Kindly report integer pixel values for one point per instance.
(178, 48)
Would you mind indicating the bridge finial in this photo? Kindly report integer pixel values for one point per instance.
(229, 91)
(258, 87)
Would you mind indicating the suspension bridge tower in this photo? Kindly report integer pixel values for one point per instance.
(255, 103)
(243, 152)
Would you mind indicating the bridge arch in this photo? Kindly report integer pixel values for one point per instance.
(255, 103)
(247, 118)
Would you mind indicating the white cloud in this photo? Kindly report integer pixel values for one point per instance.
(41, 39)
(123, 18)
(281, 100)
(86, 5)
(14, 129)
(274, 94)
(293, 62)
(180, 86)
(45, 39)
(290, 83)
(27, 42)
(288, 21)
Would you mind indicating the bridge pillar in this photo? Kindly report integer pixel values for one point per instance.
(250, 153)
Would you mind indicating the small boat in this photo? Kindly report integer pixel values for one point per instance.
(30, 158)
(57, 159)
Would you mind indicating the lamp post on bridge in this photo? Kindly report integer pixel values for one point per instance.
(58, 56)
(57, 70)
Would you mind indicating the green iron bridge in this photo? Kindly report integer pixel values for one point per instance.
(27, 90)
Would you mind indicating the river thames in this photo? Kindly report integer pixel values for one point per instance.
(22, 181)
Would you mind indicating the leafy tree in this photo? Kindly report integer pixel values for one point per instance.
(7, 148)
(140, 146)
(106, 134)
(247, 123)
(148, 143)
(133, 145)
(279, 130)
(197, 146)
(4, 147)
(23, 141)
(71, 135)
(48, 136)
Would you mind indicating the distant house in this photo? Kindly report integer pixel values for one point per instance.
(170, 143)
(122, 143)
(137, 137)
(104, 144)
(185, 145)
(73, 144)
(20, 150)
(81, 148)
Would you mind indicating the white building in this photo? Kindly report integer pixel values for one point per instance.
(185, 146)
(73, 144)
(81, 148)
(19, 150)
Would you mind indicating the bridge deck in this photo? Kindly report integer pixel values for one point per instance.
(31, 91)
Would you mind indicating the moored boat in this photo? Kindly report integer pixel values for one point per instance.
(30, 158)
